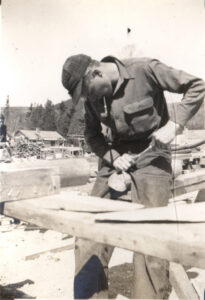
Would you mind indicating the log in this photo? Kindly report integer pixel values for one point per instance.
(180, 282)
(28, 183)
(72, 171)
(183, 244)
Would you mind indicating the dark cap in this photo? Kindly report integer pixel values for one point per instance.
(73, 71)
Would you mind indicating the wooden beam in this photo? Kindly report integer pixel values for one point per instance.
(72, 171)
(72, 201)
(189, 182)
(184, 243)
(28, 183)
(187, 197)
(180, 282)
(53, 250)
(201, 196)
(172, 213)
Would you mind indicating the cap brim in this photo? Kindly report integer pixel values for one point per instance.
(77, 93)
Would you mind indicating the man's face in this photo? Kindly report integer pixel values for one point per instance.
(97, 85)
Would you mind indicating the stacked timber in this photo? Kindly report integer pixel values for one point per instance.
(24, 150)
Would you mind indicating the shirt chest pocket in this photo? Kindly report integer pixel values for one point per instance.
(141, 117)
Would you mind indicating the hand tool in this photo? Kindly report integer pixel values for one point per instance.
(120, 181)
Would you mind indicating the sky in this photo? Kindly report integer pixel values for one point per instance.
(38, 36)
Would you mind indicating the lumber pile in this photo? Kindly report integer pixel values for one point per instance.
(24, 150)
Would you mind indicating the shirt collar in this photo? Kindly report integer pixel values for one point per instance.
(123, 72)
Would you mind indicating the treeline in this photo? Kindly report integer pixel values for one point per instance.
(61, 117)
(65, 119)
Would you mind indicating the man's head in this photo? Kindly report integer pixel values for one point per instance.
(83, 76)
(96, 82)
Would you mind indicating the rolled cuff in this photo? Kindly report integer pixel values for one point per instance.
(185, 111)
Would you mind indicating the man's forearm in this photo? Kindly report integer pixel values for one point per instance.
(99, 146)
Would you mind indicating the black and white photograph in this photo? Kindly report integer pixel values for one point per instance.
(102, 149)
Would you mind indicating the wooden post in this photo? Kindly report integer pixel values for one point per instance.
(180, 282)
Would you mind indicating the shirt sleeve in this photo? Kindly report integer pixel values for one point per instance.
(94, 137)
(176, 81)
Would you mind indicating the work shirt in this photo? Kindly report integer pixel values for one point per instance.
(138, 107)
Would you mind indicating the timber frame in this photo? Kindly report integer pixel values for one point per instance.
(175, 232)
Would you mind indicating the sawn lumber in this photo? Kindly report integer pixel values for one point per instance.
(183, 243)
(72, 171)
(27, 183)
(173, 213)
(180, 282)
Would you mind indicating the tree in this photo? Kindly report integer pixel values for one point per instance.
(62, 107)
(28, 114)
(77, 124)
(49, 118)
(62, 123)
(36, 118)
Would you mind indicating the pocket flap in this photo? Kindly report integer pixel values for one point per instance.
(138, 106)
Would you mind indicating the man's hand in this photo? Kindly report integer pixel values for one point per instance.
(165, 135)
(123, 162)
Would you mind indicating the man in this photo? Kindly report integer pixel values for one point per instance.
(2, 129)
(127, 96)
(5, 153)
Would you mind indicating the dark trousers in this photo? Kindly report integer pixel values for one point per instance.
(151, 182)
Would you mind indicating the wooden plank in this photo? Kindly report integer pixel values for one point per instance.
(72, 171)
(188, 197)
(186, 183)
(184, 244)
(28, 183)
(180, 282)
(188, 188)
(190, 178)
(72, 201)
(53, 250)
(199, 287)
(201, 196)
(172, 213)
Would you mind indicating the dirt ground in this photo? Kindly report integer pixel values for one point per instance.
(27, 274)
